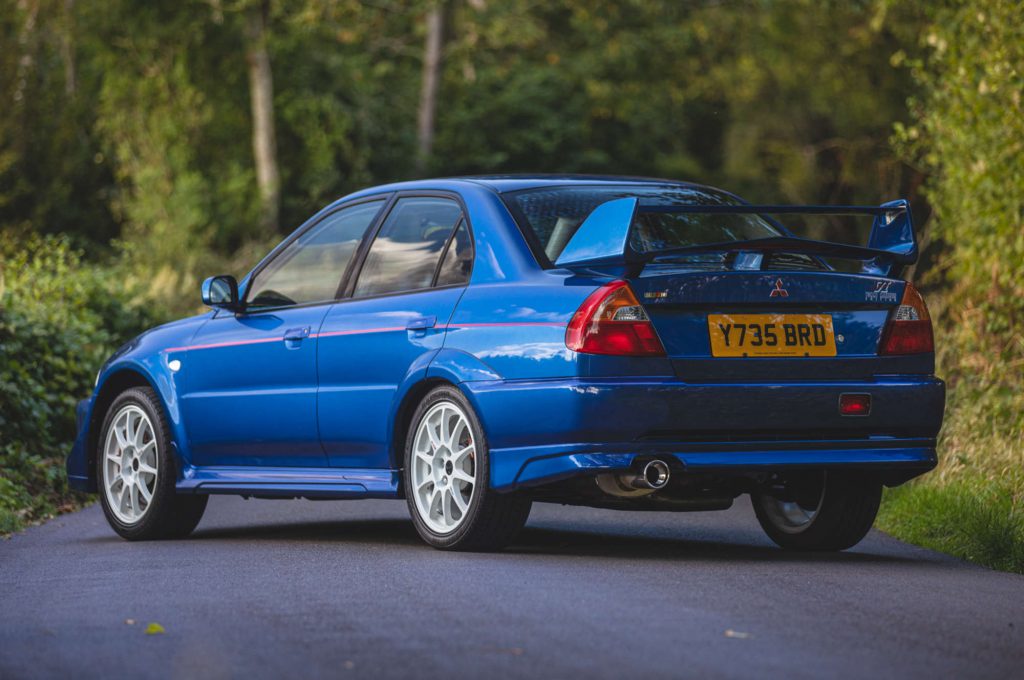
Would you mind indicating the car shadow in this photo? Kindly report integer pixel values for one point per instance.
(592, 542)
(384, 531)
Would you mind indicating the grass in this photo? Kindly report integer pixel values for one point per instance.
(972, 505)
(971, 518)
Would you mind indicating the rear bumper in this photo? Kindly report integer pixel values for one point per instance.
(546, 430)
(512, 470)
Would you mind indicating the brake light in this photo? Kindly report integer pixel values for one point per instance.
(611, 321)
(909, 330)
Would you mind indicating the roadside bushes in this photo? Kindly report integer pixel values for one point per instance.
(59, 319)
(967, 134)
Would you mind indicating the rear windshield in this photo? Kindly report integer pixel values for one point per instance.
(550, 217)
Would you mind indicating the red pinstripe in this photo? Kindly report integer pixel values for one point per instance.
(359, 331)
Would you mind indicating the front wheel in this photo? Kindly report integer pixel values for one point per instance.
(136, 471)
(447, 466)
(828, 511)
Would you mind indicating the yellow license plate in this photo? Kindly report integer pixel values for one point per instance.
(771, 335)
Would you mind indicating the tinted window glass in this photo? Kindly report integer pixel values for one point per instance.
(458, 259)
(311, 267)
(405, 253)
(554, 215)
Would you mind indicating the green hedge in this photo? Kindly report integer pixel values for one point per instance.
(59, 319)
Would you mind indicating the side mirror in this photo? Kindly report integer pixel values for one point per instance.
(221, 292)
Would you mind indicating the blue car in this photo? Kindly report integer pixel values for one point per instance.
(474, 345)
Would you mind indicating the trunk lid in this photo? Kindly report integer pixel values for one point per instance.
(849, 310)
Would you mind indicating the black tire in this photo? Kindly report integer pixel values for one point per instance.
(846, 509)
(169, 514)
(492, 519)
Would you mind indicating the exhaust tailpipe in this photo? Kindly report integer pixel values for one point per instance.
(653, 475)
(635, 483)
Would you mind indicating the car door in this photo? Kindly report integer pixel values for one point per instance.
(390, 325)
(251, 383)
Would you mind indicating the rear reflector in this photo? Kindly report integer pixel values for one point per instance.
(854, 404)
(909, 330)
(612, 321)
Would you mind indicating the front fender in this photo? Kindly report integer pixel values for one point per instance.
(142, 361)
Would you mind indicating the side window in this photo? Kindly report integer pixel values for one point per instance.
(405, 253)
(458, 259)
(311, 267)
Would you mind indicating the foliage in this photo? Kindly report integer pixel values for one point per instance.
(717, 92)
(59, 319)
(968, 133)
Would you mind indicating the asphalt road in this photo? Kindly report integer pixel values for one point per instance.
(345, 589)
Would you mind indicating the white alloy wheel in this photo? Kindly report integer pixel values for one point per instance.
(443, 467)
(130, 464)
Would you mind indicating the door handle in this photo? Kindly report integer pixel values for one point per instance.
(421, 324)
(296, 334)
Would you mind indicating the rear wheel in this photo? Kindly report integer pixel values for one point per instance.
(829, 511)
(447, 466)
(136, 472)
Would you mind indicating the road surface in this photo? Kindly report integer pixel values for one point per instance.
(345, 589)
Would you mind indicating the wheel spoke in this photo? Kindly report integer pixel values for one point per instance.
(139, 434)
(133, 491)
(130, 426)
(461, 454)
(460, 503)
(445, 434)
(463, 476)
(446, 507)
(435, 499)
(424, 484)
(453, 439)
(147, 495)
(435, 441)
(146, 469)
(122, 439)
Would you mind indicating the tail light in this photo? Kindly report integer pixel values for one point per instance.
(909, 330)
(611, 321)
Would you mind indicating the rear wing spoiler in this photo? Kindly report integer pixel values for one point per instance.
(603, 237)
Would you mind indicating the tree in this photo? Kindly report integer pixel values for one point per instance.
(433, 48)
(261, 94)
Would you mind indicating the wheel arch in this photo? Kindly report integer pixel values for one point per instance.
(114, 383)
(403, 417)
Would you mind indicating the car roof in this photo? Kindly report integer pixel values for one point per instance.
(507, 183)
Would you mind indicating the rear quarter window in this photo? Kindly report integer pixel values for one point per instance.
(405, 253)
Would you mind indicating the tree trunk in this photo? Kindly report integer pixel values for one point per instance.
(67, 49)
(27, 47)
(432, 49)
(261, 96)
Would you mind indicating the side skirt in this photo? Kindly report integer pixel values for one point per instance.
(280, 482)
